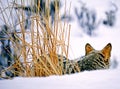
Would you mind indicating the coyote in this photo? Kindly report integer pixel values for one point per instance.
(93, 60)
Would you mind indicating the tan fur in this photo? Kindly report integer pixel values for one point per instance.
(88, 49)
(106, 51)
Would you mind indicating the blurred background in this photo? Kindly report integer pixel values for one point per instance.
(92, 21)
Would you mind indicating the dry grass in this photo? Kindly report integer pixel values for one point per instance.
(36, 50)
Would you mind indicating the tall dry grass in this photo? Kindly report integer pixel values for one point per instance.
(36, 50)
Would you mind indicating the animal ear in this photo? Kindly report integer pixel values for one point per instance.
(107, 51)
(88, 48)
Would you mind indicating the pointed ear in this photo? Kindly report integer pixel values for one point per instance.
(107, 51)
(88, 48)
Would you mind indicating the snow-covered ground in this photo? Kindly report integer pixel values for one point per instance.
(102, 79)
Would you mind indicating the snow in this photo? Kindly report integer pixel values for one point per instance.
(100, 79)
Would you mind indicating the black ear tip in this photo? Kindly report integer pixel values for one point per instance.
(109, 44)
(87, 44)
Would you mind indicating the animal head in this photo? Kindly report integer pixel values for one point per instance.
(105, 52)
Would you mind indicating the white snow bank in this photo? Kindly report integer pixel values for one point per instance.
(102, 79)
